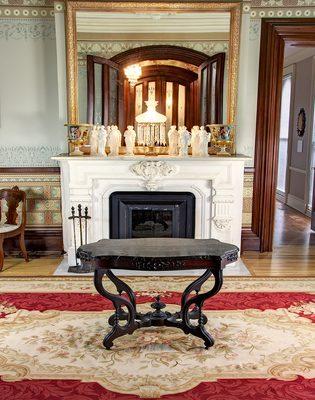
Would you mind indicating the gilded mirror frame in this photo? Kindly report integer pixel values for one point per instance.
(71, 41)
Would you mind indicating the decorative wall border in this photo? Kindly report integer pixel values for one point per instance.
(29, 156)
(109, 48)
(279, 8)
(27, 3)
(16, 29)
(26, 12)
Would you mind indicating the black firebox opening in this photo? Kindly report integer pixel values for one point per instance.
(152, 214)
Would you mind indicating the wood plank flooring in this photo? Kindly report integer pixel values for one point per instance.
(293, 255)
(294, 247)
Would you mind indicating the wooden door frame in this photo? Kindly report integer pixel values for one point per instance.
(274, 34)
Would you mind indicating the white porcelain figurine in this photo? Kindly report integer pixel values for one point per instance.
(114, 140)
(184, 141)
(195, 141)
(94, 140)
(102, 140)
(173, 141)
(204, 141)
(130, 140)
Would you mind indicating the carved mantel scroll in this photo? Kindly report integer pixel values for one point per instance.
(152, 172)
(222, 211)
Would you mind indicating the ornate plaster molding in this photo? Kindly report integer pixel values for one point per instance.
(22, 13)
(222, 224)
(109, 48)
(27, 3)
(152, 172)
(16, 29)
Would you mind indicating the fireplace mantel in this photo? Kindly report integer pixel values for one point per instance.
(216, 182)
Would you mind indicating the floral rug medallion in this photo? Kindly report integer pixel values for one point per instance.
(250, 343)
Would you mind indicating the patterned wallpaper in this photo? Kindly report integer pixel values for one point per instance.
(43, 203)
(110, 48)
(43, 194)
(29, 156)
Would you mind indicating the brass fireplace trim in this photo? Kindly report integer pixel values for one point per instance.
(71, 41)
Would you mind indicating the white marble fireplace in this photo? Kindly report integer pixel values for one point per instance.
(216, 182)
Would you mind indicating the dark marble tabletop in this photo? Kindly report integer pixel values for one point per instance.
(144, 254)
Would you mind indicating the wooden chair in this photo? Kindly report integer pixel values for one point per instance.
(12, 227)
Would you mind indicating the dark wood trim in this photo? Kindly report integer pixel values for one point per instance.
(162, 100)
(158, 94)
(218, 61)
(30, 170)
(249, 241)
(121, 87)
(249, 170)
(169, 72)
(274, 34)
(90, 88)
(188, 107)
(41, 241)
(105, 96)
(219, 88)
(160, 52)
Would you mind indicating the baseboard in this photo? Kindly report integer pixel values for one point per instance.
(296, 203)
(280, 196)
(249, 241)
(41, 241)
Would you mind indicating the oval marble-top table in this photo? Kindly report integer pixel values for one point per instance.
(158, 254)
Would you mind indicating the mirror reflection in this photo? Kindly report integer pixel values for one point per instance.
(177, 60)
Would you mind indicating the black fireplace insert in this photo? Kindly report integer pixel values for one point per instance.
(152, 214)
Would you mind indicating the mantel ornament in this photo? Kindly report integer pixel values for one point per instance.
(152, 172)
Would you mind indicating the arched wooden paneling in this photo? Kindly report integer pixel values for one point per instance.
(159, 74)
(160, 52)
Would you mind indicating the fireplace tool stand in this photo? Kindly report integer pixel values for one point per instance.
(80, 220)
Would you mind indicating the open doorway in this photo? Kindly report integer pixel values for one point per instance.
(294, 190)
(275, 34)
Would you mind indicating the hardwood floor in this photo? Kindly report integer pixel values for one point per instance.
(43, 266)
(293, 255)
(294, 247)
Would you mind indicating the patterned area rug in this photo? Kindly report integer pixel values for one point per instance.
(51, 330)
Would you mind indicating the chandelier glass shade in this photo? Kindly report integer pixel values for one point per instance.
(151, 126)
(133, 73)
(151, 116)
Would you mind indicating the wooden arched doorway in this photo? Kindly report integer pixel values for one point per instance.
(193, 80)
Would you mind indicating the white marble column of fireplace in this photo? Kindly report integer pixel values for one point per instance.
(216, 182)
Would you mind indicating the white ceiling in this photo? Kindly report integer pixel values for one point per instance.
(108, 22)
(294, 54)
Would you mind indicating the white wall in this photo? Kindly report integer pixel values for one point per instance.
(248, 87)
(30, 121)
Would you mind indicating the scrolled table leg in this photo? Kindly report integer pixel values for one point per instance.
(118, 302)
(198, 300)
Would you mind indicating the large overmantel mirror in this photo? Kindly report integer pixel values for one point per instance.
(182, 55)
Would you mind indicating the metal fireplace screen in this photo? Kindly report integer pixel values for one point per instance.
(152, 214)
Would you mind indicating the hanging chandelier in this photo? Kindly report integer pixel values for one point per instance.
(133, 73)
(151, 128)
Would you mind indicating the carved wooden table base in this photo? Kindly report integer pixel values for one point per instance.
(191, 308)
(158, 254)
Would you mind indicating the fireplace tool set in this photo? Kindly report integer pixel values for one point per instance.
(80, 220)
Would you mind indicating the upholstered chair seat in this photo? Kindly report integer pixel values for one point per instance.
(8, 228)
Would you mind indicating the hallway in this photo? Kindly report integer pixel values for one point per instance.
(294, 247)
